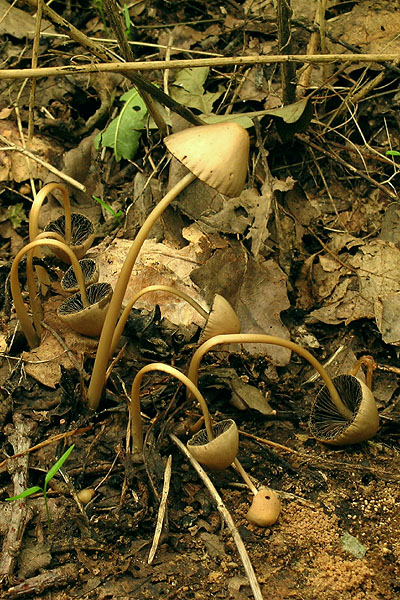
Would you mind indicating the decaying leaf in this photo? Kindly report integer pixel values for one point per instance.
(188, 89)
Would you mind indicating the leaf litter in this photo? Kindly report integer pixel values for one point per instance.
(260, 251)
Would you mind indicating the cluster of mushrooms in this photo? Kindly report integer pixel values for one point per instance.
(344, 412)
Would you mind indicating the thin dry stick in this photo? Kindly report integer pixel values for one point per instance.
(129, 68)
(15, 148)
(248, 567)
(161, 510)
(111, 10)
(288, 72)
(35, 52)
(105, 55)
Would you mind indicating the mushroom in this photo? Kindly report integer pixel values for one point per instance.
(221, 318)
(349, 402)
(218, 155)
(76, 230)
(265, 508)
(90, 272)
(87, 318)
(216, 449)
(28, 329)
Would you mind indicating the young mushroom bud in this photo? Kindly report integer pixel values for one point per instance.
(216, 154)
(344, 413)
(221, 318)
(265, 508)
(87, 318)
(69, 283)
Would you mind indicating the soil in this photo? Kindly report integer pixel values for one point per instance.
(291, 256)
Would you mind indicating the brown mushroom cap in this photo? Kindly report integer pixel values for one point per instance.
(82, 235)
(221, 320)
(329, 426)
(265, 508)
(217, 154)
(90, 272)
(219, 453)
(87, 321)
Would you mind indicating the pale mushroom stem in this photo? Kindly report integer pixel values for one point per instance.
(134, 406)
(37, 205)
(242, 338)
(34, 300)
(22, 314)
(245, 477)
(151, 288)
(100, 364)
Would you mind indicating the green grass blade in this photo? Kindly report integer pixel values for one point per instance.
(26, 493)
(57, 466)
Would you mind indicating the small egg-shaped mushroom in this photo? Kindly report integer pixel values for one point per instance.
(219, 453)
(86, 495)
(90, 272)
(265, 508)
(87, 320)
(82, 235)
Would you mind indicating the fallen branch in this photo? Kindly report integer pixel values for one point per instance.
(130, 67)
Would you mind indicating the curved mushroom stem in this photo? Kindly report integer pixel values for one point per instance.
(134, 407)
(369, 363)
(100, 364)
(241, 338)
(26, 324)
(36, 305)
(151, 288)
(37, 205)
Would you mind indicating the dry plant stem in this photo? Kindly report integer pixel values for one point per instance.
(283, 13)
(134, 407)
(114, 18)
(19, 435)
(35, 51)
(248, 567)
(161, 510)
(15, 148)
(104, 55)
(25, 322)
(151, 288)
(243, 338)
(129, 69)
(100, 364)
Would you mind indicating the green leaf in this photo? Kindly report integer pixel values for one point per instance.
(16, 214)
(108, 208)
(123, 133)
(26, 493)
(392, 153)
(57, 466)
(188, 89)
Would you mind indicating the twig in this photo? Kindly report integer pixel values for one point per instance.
(129, 68)
(288, 73)
(161, 510)
(14, 147)
(57, 577)
(35, 52)
(248, 567)
(19, 436)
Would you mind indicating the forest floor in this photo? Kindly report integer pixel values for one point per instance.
(310, 251)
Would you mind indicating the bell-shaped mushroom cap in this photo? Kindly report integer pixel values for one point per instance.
(219, 453)
(90, 273)
(82, 235)
(221, 320)
(327, 424)
(87, 320)
(217, 154)
(265, 508)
